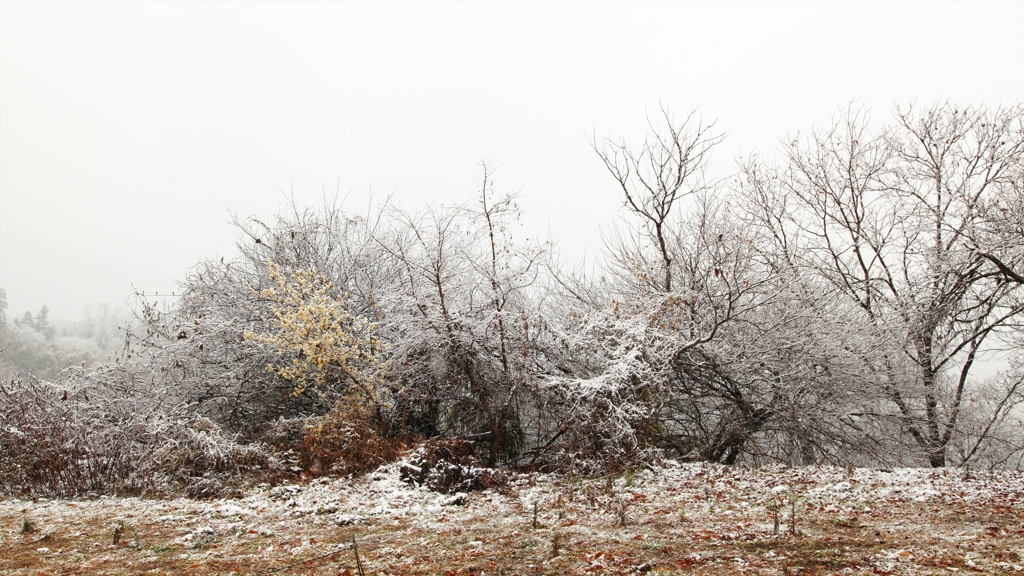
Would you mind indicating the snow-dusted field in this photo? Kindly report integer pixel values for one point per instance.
(681, 519)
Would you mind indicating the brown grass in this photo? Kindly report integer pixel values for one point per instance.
(711, 523)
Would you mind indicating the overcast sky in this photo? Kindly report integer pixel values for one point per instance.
(127, 131)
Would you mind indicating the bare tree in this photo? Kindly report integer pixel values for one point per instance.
(671, 164)
(888, 219)
(463, 320)
(708, 332)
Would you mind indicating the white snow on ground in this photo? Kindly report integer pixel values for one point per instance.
(688, 502)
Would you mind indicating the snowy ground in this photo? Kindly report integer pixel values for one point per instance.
(682, 519)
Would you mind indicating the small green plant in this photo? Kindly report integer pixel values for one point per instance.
(555, 542)
(651, 544)
(535, 515)
(118, 531)
(203, 541)
(254, 547)
(629, 477)
(27, 527)
(161, 548)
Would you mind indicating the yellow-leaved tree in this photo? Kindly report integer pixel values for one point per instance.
(324, 349)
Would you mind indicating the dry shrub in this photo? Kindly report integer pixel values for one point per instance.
(285, 437)
(610, 424)
(56, 441)
(89, 434)
(202, 462)
(345, 441)
(448, 465)
(109, 431)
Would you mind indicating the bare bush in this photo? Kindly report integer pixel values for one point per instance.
(202, 462)
(448, 465)
(105, 431)
(72, 439)
(197, 343)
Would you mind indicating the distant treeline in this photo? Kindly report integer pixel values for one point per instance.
(36, 345)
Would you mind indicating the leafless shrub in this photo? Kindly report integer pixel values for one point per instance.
(202, 462)
(989, 433)
(610, 424)
(448, 465)
(96, 432)
(60, 440)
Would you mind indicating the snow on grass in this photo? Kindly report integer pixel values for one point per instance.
(679, 519)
